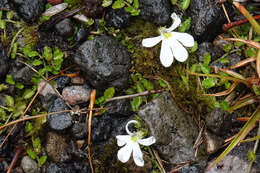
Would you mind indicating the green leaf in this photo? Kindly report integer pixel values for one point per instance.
(3, 87)
(205, 68)
(1, 14)
(109, 93)
(10, 15)
(100, 100)
(193, 68)
(174, 2)
(57, 55)
(139, 87)
(185, 4)
(2, 115)
(228, 47)
(135, 104)
(208, 83)
(185, 25)
(2, 24)
(37, 144)
(206, 59)
(162, 83)
(107, 3)
(224, 105)
(31, 154)
(256, 89)
(33, 54)
(118, 4)
(194, 48)
(28, 126)
(37, 62)
(26, 50)
(9, 101)
(47, 53)
(227, 85)
(28, 93)
(251, 156)
(9, 79)
(42, 160)
(136, 4)
(14, 50)
(251, 52)
(135, 12)
(223, 60)
(147, 84)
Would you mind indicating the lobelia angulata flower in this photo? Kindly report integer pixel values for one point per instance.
(172, 43)
(130, 145)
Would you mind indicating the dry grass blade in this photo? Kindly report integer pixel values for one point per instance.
(248, 42)
(258, 63)
(242, 63)
(223, 93)
(242, 10)
(242, 103)
(91, 105)
(240, 136)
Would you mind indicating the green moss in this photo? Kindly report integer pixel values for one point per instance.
(147, 62)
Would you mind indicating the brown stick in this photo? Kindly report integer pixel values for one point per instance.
(91, 105)
(16, 156)
(227, 26)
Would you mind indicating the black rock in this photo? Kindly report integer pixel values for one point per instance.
(4, 4)
(65, 28)
(79, 130)
(62, 82)
(121, 107)
(81, 35)
(73, 167)
(157, 11)
(218, 121)
(59, 121)
(23, 75)
(105, 62)
(118, 18)
(4, 62)
(232, 60)
(207, 47)
(207, 19)
(29, 10)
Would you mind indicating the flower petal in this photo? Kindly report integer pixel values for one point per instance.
(125, 152)
(126, 127)
(150, 42)
(166, 55)
(186, 39)
(178, 51)
(147, 141)
(122, 139)
(176, 22)
(138, 155)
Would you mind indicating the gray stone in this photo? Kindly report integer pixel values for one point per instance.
(175, 131)
(4, 62)
(29, 10)
(105, 62)
(4, 4)
(157, 11)
(29, 165)
(76, 94)
(59, 121)
(23, 75)
(65, 27)
(237, 161)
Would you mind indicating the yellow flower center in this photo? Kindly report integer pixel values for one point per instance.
(166, 34)
(134, 138)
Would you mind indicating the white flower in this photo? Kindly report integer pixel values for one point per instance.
(131, 142)
(172, 43)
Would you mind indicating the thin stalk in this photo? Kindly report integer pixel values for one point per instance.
(253, 22)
